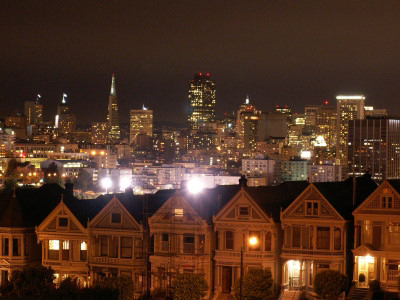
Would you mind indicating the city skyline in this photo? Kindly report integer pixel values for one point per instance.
(288, 53)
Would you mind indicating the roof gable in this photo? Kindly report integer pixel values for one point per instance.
(384, 200)
(176, 210)
(242, 208)
(311, 204)
(114, 216)
(61, 220)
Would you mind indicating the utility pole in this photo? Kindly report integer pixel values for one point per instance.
(241, 272)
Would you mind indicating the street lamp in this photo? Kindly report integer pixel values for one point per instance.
(253, 241)
(106, 183)
(194, 186)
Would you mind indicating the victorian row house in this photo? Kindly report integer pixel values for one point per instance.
(295, 230)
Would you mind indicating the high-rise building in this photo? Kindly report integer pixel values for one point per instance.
(34, 111)
(112, 115)
(201, 101)
(348, 108)
(326, 126)
(65, 122)
(141, 122)
(374, 147)
(99, 133)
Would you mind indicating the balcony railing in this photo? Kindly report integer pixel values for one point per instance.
(246, 254)
(111, 260)
(314, 252)
(65, 263)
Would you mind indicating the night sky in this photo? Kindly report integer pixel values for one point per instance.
(278, 52)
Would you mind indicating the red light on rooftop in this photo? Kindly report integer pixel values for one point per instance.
(285, 106)
(326, 102)
(277, 106)
(200, 74)
(208, 74)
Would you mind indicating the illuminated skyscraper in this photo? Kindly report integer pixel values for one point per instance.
(374, 147)
(112, 115)
(65, 121)
(245, 109)
(99, 132)
(34, 111)
(348, 108)
(141, 122)
(201, 101)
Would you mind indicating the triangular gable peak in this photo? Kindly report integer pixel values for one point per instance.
(114, 216)
(311, 204)
(176, 210)
(363, 250)
(61, 220)
(242, 208)
(385, 198)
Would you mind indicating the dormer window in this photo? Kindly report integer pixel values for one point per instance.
(312, 208)
(387, 201)
(116, 218)
(243, 211)
(62, 222)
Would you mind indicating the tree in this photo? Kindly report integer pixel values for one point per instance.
(32, 282)
(257, 284)
(123, 285)
(11, 175)
(189, 286)
(330, 283)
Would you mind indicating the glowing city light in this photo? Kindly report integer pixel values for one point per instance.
(195, 186)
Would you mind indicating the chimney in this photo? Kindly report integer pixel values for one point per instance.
(243, 181)
(69, 189)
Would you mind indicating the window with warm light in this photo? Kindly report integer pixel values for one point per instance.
(83, 250)
(54, 248)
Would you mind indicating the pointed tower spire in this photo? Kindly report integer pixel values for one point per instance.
(112, 115)
(113, 91)
(247, 99)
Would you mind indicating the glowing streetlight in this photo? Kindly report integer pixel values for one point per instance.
(253, 241)
(195, 186)
(106, 183)
(124, 183)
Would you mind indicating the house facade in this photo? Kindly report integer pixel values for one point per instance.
(243, 230)
(115, 245)
(18, 247)
(64, 243)
(377, 236)
(182, 242)
(315, 239)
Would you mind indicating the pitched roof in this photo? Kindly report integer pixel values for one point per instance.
(274, 198)
(340, 194)
(30, 206)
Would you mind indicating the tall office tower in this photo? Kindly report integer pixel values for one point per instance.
(326, 126)
(34, 111)
(310, 114)
(348, 108)
(246, 109)
(374, 147)
(99, 133)
(112, 115)
(65, 122)
(141, 122)
(201, 101)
